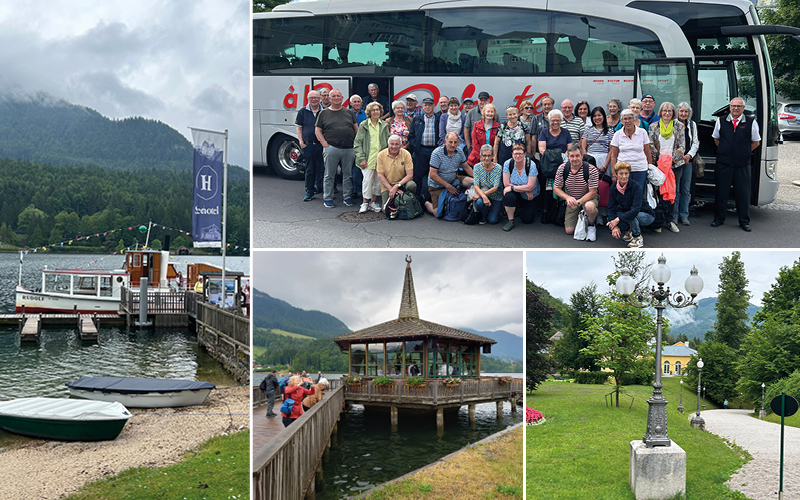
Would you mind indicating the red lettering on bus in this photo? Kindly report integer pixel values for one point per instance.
(469, 91)
(537, 105)
(290, 99)
(433, 89)
(524, 95)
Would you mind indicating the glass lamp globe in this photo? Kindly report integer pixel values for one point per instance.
(625, 284)
(700, 363)
(762, 385)
(694, 283)
(661, 272)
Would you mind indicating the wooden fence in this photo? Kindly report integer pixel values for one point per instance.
(157, 303)
(433, 393)
(226, 336)
(285, 467)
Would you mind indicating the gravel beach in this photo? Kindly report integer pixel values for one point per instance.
(759, 478)
(50, 470)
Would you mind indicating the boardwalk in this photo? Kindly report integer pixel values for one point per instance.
(264, 429)
(758, 479)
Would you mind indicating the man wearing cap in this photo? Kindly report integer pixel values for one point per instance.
(444, 104)
(372, 88)
(412, 111)
(736, 138)
(422, 140)
(475, 115)
(647, 115)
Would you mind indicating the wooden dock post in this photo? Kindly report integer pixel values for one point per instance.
(394, 417)
(440, 418)
(471, 409)
(513, 406)
(31, 329)
(499, 405)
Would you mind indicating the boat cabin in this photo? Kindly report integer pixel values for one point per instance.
(409, 346)
(153, 266)
(89, 283)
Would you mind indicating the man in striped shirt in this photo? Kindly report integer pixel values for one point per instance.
(571, 122)
(579, 190)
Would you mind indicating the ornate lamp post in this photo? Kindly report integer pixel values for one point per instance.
(680, 405)
(697, 420)
(658, 297)
(762, 413)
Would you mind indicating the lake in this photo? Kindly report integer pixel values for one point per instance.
(40, 369)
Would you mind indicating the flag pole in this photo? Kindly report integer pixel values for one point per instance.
(225, 217)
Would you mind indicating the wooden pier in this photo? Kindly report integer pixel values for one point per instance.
(289, 464)
(226, 336)
(30, 325)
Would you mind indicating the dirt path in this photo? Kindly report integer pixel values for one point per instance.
(50, 470)
(759, 478)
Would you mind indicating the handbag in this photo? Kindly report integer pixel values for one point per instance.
(699, 166)
(580, 227)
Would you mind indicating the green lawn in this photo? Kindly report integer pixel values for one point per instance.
(793, 421)
(219, 470)
(285, 333)
(582, 450)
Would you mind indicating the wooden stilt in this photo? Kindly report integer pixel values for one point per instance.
(394, 416)
(499, 410)
(471, 409)
(440, 418)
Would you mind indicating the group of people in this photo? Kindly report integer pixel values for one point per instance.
(298, 387)
(529, 162)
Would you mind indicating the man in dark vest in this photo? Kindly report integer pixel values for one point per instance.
(736, 137)
(269, 385)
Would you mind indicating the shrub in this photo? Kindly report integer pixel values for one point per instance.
(591, 377)
(382, 381)
(790, 385)
(414, 381)
(452, 380)
(354, 379)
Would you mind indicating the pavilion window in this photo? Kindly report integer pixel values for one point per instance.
(394, 359)
(454, 368)
(375, 359)
(415, 358)
(358, 359)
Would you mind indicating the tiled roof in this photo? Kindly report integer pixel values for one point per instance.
(678, 350)
(410, 327)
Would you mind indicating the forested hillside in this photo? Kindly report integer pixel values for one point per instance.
(269, 312)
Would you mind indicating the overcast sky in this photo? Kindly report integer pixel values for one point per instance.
(460, 289)
(183, 63)
(563, 272)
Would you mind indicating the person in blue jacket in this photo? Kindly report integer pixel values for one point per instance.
(627, 211)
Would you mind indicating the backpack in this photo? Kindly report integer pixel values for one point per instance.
(551, 160)
(263, 384)
(452, 207)
(567, 169)
(283, 382)
(407, 205)
(287, 407)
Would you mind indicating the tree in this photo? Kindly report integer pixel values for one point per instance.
(155, 244)
(733, 298)
(267, 5)
(537, 329)
(567, 351)
(783, 50)
(719, 369)
(782, 295)
(619, 336)
(635, 263)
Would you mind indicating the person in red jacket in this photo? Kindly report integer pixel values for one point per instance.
(296, 392)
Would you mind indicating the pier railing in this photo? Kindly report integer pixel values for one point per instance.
(190, 302)
(226, 336)
(285, 467)
(157, 303)
(235, 326)
(433, 392)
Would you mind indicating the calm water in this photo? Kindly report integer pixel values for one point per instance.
(41, 369)
(366, 452)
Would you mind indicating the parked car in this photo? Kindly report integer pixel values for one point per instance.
(789, 119)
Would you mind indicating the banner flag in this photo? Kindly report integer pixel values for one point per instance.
(207, 199)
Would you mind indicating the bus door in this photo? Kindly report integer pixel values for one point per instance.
(385, 88)
(340, 83)
(719, 80)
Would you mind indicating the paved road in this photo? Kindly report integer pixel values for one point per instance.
(282, 220)
(759, 478)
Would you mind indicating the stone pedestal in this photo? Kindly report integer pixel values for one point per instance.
(762, 413)
(657, 473)
(697, 422)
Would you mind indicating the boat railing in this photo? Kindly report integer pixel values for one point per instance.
(285, 466)
(432, 391)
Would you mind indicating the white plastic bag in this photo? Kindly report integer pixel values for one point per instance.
(655, 176)
(580, 227)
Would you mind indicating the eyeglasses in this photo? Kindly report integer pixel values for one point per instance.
(736, 106)
(528, 107)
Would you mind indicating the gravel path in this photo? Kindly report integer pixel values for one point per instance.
(759, 478)
(51, 470)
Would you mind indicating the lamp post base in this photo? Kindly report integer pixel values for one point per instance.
(697, 423)
(762, 413)
(657, 473)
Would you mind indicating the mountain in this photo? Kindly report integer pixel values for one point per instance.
(269, 312)
(43, 129)
(508, 347)
(694, 323)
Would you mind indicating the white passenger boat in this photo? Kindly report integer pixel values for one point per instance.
(135, 392)
(69, 290)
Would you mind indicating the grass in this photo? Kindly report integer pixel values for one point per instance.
(793, 421)
(488, 471)
(284, 333)
(582, 450)
(219, 470)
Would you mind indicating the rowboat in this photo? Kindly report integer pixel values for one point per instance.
(63, 419)
(135, 392)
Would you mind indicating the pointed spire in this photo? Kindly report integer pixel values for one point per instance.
(408, 303)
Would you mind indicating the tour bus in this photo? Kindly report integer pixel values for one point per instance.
(703, 52)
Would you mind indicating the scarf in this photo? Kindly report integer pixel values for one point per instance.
(622, 189)
(666, 130)
(453, 123)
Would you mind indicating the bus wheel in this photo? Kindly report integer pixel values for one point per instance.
(283, 154)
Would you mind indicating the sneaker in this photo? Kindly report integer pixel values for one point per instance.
(328, 203)
(673, 227)
(374, 207)
(348, 202)
(364, 208)
(684, 221)
(509, 225)
(309, 196)
(591, 233)
(636, 242)
(657, 230)
(482, 221)
(628, 236)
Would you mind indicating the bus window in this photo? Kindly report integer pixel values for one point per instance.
(721, 81)
(666, 81)
(284, 45)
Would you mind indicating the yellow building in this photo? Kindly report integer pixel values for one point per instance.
(675, 357)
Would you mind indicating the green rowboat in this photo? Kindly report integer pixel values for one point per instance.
(63, 419)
